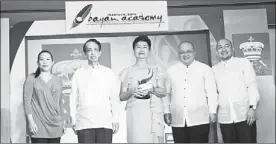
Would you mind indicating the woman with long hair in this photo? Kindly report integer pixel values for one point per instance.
(143, 87)
(43, 102)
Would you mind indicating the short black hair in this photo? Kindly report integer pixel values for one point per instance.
(226, 40)
(92, 40)
(141, 38)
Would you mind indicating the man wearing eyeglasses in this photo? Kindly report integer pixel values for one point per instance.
(193, 97)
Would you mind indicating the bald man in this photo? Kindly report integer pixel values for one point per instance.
(238, 95)
(193, 97)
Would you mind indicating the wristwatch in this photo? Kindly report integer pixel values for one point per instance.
(253, 107)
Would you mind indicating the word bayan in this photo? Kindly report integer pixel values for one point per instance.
(124, 19)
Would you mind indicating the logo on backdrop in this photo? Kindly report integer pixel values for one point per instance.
(81, 15)
(116, 16)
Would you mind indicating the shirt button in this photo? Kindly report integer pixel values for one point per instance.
(185, 80)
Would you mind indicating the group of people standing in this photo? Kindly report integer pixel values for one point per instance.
(188, 96)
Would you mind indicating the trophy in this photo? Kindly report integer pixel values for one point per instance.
(145, 81)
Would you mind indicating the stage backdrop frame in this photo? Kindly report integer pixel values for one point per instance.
(30, 39)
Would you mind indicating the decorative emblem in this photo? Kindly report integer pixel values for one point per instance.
(253, 51)
(75, 54)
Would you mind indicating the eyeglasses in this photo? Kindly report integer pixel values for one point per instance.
(187, 52)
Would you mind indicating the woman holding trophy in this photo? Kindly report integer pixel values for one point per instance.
(143, 87)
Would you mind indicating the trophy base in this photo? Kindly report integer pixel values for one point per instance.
(145, 97)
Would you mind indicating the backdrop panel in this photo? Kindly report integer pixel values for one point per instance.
(56, 28)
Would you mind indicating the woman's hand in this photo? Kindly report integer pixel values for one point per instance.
(33, 128)
(143, 90)
(140, 92)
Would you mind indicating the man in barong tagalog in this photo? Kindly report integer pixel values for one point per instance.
(238, 95)
(94, 99)
(193, 96)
